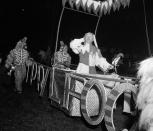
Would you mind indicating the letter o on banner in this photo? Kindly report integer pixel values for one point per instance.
(100, 90)
(111, 100)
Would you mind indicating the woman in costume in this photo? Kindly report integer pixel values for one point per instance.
(17, 60)
(90, 56)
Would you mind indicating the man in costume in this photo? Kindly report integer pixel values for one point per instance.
(62, 58)
(17, 60)
(90, 56)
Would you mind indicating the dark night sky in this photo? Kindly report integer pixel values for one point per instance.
(38, 20)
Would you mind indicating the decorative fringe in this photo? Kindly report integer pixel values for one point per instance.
(27, 73)
(33, 76)
(97, 7)
(38, 77)
(44, 81)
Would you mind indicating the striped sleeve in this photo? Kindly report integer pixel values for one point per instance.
(9, 59)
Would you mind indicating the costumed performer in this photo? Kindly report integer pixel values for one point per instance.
(62, 57)
(17, 60)
(90, 56)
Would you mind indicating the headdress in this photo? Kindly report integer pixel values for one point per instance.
(93, 38)
(21, 43)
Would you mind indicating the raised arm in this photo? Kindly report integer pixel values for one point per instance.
(76, 45)
(10, 59)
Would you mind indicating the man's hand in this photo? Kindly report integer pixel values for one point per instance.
(12, 69)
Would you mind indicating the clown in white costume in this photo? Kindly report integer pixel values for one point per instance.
(90, 57)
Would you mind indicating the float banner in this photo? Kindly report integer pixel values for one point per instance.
(97, 7)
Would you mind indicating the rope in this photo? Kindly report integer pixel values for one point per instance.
(97, 25)
(146, 29)
(59, 23)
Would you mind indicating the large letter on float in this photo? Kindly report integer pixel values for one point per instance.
(111, 101)
(68, 89)
(86, 93)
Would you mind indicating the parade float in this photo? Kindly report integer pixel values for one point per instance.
(61, 82)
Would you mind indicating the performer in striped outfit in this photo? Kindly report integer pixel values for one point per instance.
(17, 60)
(90, 56)
(62, 58)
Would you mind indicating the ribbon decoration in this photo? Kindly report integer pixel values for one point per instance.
(105, 6)
(44, 81)
(110, 2)
(33, 76)
(97, 7)
(40, 73)
(39, 80)
(89, 5)
(83, 4)
(42, 77)
(27, 73)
